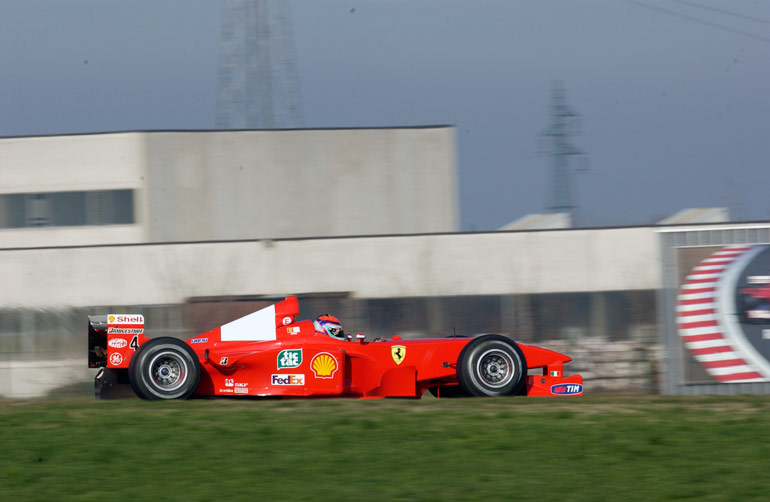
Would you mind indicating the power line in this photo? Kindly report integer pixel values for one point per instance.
(699, 21)
(722, 11)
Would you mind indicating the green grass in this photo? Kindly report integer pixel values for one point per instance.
(591, 448)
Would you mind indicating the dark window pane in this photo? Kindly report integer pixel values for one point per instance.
(12, 214)
(17, 215)
(99, 207)
(123, 206)
(69, 208)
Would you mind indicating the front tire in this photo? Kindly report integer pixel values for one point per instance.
(491, 365)
(164, 368)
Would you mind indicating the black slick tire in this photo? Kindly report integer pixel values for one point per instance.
(491, 365)
(164, 368)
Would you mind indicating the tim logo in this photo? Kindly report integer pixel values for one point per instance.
(567, 389)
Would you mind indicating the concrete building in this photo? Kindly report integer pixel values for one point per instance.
(698, 215)
(540, 221)
(192, 186)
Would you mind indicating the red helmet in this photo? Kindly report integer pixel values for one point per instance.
(329, 325)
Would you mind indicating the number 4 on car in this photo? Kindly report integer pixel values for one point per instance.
(271, 353)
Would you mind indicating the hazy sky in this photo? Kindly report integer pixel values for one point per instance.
(674, 94)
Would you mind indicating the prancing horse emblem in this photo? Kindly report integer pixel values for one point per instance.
(398, 352)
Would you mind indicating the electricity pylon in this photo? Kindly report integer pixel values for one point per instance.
(564, 122)
(258, 85)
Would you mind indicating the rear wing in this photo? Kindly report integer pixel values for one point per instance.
(97, 341)
(113, 339)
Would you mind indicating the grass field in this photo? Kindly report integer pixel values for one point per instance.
(591, 448)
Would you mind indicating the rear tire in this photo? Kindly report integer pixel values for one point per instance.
(164, 368)
(491, 365)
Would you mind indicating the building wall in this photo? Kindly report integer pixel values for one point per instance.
(365, 267)
(74, 163)
(300, 183)
(80, 162)
(193, 186)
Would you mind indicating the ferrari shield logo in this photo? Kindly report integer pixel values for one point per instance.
(398, 352)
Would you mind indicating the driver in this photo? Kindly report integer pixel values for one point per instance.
(329, 325)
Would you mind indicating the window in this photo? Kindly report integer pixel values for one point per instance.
(12, 211)
(66, 209)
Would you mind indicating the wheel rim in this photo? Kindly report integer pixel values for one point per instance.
(496, 368)
(168, 371)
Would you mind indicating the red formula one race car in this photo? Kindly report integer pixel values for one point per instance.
(269, 353)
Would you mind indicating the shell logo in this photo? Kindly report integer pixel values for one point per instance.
(324, 365)
(111, 319)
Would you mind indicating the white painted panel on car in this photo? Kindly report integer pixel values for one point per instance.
(257, 326)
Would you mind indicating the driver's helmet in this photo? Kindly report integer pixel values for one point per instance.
(329, 325)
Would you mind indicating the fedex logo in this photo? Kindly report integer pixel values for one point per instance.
(566, 389)
(125, 319)
(288, 379)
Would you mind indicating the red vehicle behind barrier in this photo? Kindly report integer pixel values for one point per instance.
(270, 353)
(755, 302)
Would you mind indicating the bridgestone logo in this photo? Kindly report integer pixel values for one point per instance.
(125, 331)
